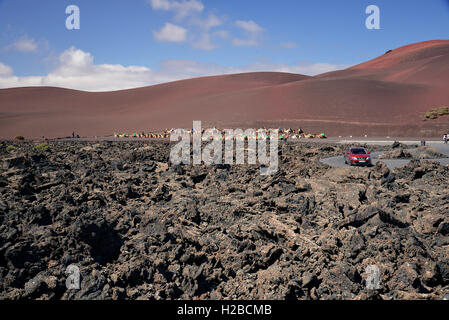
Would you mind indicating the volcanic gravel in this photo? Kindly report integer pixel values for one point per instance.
(140, 228)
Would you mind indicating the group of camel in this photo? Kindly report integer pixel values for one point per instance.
(283, 134)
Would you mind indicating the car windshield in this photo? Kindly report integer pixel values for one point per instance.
(358, 151)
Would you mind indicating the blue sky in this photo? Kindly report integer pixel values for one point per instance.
(123, 44)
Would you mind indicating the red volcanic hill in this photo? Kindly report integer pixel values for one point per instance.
(384, 96)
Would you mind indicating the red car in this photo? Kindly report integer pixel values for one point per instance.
(357, 156)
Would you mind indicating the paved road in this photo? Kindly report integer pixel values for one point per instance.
(339, 161)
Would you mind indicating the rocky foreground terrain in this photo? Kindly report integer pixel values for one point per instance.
(140, 228)
(420, 153)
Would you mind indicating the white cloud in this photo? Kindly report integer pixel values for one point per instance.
(221, 34)
(181, 9)
(76, 70)
(23, 45)
(200, 34)
(171, 33)
(210, 22)
(160, 4)
(252, 30)
(200, 26)
(249, 26)
(5, 70)
(203, 37)
(75, 60)
(204, 42)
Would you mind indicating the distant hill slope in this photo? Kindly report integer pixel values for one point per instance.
(384, 96)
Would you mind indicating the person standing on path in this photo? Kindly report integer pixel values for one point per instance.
(445, 138)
